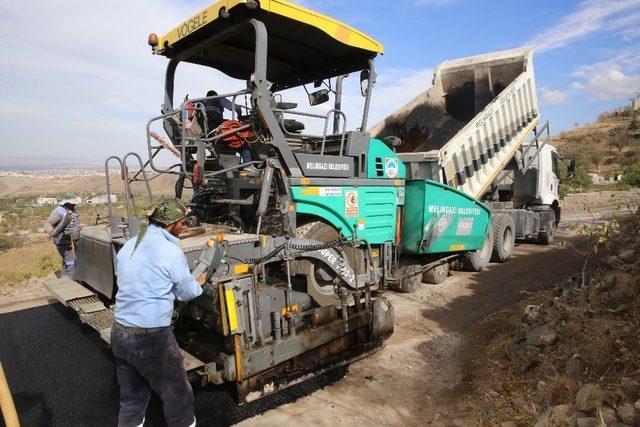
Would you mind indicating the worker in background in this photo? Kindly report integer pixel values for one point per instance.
(152, 273)
(214, 109)
(62, 224)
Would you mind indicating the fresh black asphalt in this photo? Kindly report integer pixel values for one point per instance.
(61, 375)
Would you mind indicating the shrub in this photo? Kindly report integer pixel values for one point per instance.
(631, 175)
(8, 242)
(581, 179)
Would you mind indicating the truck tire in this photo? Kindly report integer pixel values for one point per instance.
(504, 237)
(545, 237)
(478, 260)
(437, 274)
(320, 280)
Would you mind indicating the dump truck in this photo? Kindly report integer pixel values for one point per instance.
(477, 129)
(299, 232)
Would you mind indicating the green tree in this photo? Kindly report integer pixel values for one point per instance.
(581, 179)
(631, 175)
(634, 126)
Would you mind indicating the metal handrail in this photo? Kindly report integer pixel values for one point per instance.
(326, 125)
(198, 105)
(531, 145)
(113, 226)
(317, 116)
(129, 192)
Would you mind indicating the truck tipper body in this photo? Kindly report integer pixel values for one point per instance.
(477, 129)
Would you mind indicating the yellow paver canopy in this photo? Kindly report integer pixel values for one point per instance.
(303, 45)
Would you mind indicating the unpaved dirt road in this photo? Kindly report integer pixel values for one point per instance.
(419, 377)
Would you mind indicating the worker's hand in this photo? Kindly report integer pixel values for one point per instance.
(50, 233)
(202, 278)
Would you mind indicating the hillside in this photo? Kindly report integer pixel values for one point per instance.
(607, 146)
(29, 185)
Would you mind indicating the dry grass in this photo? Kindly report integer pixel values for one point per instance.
(20, 264)
(604, 339)
(595, 143)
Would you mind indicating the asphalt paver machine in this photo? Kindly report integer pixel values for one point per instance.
(299, 233)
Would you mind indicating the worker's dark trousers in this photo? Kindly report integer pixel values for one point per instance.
(68, 259)
(146, 362)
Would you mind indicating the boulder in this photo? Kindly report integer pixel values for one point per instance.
(587, 422)
(542, 336)
(627, 413)
(543, 421)
(628, 255)
(608, 416)
(588, 397)
(531, 314)
(560, 415)
(637, 405)
(573, 367)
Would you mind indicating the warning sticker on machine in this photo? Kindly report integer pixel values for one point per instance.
(351, 203)
(465, 225)
(330, 191)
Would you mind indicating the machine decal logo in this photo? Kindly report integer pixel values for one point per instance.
(391, 167)
(351, 203)
(454, 210)
(327, 166)
(465, 225)
(192, 24)
(331, 191)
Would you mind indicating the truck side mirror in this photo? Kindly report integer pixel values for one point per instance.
(364, 82)
(318, 97)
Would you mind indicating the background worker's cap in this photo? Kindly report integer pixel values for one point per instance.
(167, 210)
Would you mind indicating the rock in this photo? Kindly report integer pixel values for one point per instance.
(543, 421)
(497, 387)
(517, 349)
(627, 413)
(588, 397)
(531, 314)
(573, 367)
(560, 415)
(627, 255)
(543, 335)
(637, 405)
(508, 424)
(587, 422)
(565, 287)
(622, 308)
(578, 414)
(608, 416)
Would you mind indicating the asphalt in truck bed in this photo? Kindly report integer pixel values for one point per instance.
(61, 374)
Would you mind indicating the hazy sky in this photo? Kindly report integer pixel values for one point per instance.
(78, 79)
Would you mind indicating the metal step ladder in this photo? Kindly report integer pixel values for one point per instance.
(94, 313)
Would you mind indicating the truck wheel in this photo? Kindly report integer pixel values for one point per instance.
(478, 260)
(545, 237)
(504, 238)
(410, 279)
(319, 277)
(437, 274)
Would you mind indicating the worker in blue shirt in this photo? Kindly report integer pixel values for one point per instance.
(152, 272)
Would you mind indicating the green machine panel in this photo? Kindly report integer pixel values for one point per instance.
(439, 218)
(382, 162)
(370, 209)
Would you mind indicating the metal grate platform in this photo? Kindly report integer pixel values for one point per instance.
(94, 313)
